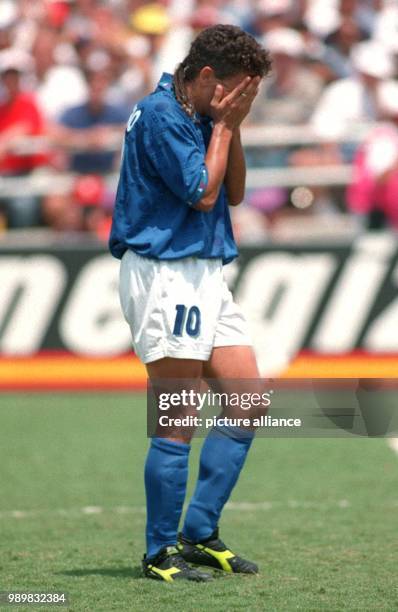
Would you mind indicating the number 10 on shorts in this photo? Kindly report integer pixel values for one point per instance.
(187, 321)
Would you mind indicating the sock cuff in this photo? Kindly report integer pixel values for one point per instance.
(170, 447)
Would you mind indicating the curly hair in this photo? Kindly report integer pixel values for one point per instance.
(225, 48)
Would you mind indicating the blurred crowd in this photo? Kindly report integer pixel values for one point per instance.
(72, 70)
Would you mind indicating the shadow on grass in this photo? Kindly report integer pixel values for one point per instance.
(134, 573)
(116, 572)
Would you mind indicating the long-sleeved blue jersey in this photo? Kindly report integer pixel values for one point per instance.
(163, 175)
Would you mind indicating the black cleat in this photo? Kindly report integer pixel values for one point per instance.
(168, 565)
(213, 553)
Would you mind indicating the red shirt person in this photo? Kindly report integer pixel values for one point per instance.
(19, 115)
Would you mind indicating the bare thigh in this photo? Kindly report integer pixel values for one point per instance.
(231, 362)
(233, 369)
(173, 372)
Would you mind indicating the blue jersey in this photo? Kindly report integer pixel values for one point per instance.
(163, 175)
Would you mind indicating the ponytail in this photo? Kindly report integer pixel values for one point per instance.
(179, 83)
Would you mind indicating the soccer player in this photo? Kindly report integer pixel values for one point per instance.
(182, 165)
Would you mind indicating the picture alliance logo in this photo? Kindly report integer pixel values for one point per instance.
(330, 300)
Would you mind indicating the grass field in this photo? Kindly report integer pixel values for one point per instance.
(319, 516)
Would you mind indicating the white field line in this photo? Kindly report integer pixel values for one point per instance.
(140, 510)
(237, 506)
(232, 506)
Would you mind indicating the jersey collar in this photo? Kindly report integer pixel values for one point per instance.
(165, 83)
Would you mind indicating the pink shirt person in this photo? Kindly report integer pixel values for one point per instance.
(375, 179)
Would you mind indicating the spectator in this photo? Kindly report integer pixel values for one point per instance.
(348, 101)
(338, 45)
(386, 26)
(94, 123)
(356, 98)
(129, 42)
(153, 22)
(8, 18)
(373, 192)
(271, 14)
(321, 17)
(19, 117)
(289, 96)
(360, 12)
(61, 214)
(57, 86)
(86, 207)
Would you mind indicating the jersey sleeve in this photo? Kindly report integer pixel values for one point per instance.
(177, 157)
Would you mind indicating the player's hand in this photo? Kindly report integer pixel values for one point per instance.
(232, 108)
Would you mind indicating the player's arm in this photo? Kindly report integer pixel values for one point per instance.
(235, 176)
(216, 163)
(224, 155)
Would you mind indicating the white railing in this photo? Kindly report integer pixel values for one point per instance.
(289, 135)
(45, 182)
(40, 184)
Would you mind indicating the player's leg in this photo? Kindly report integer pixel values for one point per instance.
(168, 367)
(169, 375)
(229, 362)
(165, 304)
(166, 474)
(222, 458)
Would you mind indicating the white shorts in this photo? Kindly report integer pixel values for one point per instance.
(178, 308)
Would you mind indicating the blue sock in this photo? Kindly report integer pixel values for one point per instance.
(223, 455)
(166, 474)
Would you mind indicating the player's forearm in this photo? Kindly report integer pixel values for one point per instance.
(216, 163)
(235, 176)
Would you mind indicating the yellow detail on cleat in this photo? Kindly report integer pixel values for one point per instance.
(222, 557)
(166, 574)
